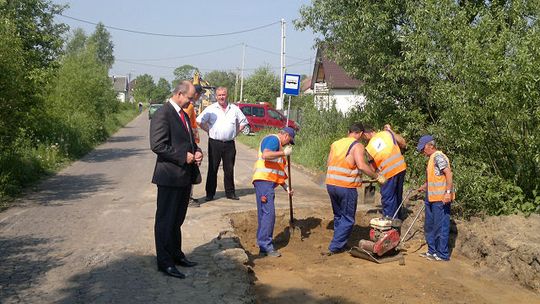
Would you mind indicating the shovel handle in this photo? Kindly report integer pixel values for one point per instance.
(291, 219)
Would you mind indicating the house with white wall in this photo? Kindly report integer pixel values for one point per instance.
(120, 86)
(331, 84)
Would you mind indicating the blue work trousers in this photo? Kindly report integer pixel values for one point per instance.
(344, 202)
(392, 194)
(437, 228)
(266, 214)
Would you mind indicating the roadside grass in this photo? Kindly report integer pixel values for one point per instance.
(31, 160)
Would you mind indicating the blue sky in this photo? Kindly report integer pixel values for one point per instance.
(158, 56)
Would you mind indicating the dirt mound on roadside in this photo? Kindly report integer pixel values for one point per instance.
(303, 275)
(509, 245)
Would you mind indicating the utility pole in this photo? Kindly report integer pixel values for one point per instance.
(242, 73)
(279, 105)
(236, 84)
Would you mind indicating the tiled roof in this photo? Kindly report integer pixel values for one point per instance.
(119, 83)
(328, 71)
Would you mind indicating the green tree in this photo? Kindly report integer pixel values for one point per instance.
(184, 72)
(15, 89)
(40, 36)
(465, 71)
(104, 46)
(77, 42)
(221, 79)
(262, 85)
(162, 90)
(144, 86)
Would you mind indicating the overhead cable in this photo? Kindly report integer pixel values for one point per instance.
(173, 35)
(190, 55)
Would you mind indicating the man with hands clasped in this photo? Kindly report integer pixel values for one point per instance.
(172, 140)
(439, 196)
(269, 172)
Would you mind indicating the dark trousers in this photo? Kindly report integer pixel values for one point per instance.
(266, 214)
(217, 151)
(437, 228)
(392, 194)
(344, 201)
(171, 210)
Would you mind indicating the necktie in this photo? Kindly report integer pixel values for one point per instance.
(183, 118)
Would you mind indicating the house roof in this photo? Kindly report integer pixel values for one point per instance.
(326, 70)
(119, 83)
(305, 84)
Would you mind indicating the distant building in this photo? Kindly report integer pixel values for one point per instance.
(121, 88)
(331, 84)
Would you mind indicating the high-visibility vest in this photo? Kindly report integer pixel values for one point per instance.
(436, 185)
(340, 173)
(270, 169)
(386, 154)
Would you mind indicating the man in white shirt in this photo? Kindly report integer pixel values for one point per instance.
(222, 121)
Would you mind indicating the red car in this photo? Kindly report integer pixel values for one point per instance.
(262, 115)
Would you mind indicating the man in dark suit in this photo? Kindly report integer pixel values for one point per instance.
(178, 156)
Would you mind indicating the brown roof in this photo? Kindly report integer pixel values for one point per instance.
(305, 84)
(326, 70)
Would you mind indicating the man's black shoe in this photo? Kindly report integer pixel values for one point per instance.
(233, 197)
(185, 262)
(209, 198)
(173, 272)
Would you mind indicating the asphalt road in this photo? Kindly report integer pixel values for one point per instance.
(86, 234)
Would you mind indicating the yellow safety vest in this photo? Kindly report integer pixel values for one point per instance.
(386, 154)
(436, 185)
(270, 169)
(340, 173)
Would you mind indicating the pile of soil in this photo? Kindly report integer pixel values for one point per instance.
(304, 275)
(509, 245)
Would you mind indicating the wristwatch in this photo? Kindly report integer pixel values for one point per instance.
(448, 191)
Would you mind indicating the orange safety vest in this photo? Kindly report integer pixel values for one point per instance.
(340, 173)
(193, 121)
(386, 154)
(436, 185)
(270, 169)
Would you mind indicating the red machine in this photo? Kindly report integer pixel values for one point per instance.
(383, 236)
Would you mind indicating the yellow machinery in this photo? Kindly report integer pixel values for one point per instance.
(208, 96)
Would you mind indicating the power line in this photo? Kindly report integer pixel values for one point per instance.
(173, 35)
(185, 56)
(271, 52)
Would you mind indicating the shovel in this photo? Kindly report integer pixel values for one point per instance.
(292, 228)
(369, 192)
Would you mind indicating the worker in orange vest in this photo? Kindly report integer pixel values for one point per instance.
(346, 163)
(439, 196)
(269, 172)
(384, 151)
(190, 110)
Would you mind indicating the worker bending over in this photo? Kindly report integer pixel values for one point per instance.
(346, 162)
(384, 151)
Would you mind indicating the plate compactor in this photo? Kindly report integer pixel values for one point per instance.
(384, 239)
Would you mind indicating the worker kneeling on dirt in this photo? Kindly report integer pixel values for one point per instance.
(269, 172)
(439, 195)
(384, 150)
(345, 161)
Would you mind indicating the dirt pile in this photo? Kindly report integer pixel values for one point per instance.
(303, 275)
(509, 245)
